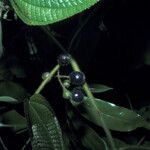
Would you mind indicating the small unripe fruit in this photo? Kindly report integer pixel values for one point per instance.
(63, 59)
(77, 78)
(66, 94)
(45, 75)
(66, 83)
(77, 95)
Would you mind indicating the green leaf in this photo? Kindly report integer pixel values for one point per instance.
(11, 89)
(42, 12)
(116, 118)
(92, 140)
(14, 120)
(88, 137)
(9, 100)
(46, 132)
(99, 88)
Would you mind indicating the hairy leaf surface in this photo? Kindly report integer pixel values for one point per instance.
(42, 12)
(46, 132)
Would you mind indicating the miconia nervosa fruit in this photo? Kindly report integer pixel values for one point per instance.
(77, 78)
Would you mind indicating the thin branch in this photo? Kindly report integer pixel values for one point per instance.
(48, 79)
(26, 144)
(59, 80)
(90, 95)
(3, 145)
(129, 101)
(141, 140)
(80, 29)
(48, 32)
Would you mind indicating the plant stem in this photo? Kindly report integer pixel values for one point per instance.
(101, 121)
(26, 144)
(3, 145)
(141, 140)
(59, 80)
(48, 32)
(50, 76)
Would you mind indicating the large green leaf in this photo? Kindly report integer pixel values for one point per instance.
(41, 12)
(14, 90)
(92, 140)
(116, 118)
(99, 88)
(13, 121)
(46, 132)
(8, 100)
(88, 137)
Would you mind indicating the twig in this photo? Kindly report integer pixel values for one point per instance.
(50, 76)
(3, 145)
(48, 32)
(90, 95)
(25, 145)
(59, 80)
(62, 76)
(129, 101)
(141, 140)
(80, 29)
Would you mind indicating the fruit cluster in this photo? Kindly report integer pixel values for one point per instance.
(76, 78)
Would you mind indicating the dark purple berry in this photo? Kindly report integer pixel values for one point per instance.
(77, 78)
(63, 59)
(77, 95)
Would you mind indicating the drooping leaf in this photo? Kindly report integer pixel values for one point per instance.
(9, 100)
(41, 12)
(92, 140)
(2, 126)
(46, 132)
(11, 89)
(99, 88)
(14, 120)
(88, 137)
(115, 117)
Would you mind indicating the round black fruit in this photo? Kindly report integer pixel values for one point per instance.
(77, 78)
(77, 95)
(63, 59)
